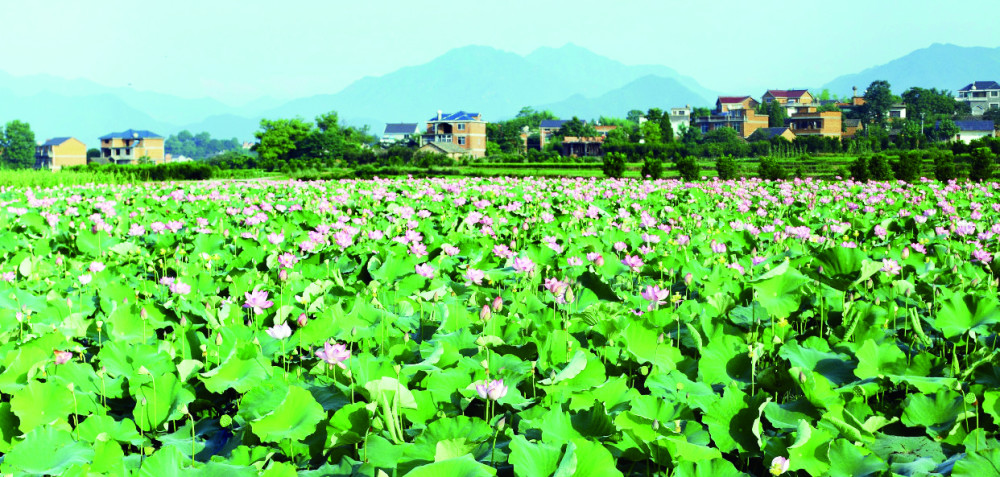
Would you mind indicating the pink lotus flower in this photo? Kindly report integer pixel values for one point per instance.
(257, 300)
(524, 265)
(891, 267)
(574, 261)
(96, 267)
(302, 320)
(683, 240)
(633, 262)
(275, 239)
(485, 314)
(620, 246)
(779, 465)
(180, 288)
(424, 270)
(334, 354)
(449, 250)
(279, 332)
(982, 256)
(63, 357)
(287, 260)
(596, 258)
(493, 390)
(656, 296)
(85, 279)
(475, 276)
(497, 304)
(718, 247)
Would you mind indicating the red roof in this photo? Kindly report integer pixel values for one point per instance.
(732, 99)
(787, 93)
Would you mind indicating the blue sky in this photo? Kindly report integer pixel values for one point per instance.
(237, 51)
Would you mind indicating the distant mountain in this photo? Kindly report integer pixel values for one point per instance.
(493, 82)
(644, 93)
(941, 66)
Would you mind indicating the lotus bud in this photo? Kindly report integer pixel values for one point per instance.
(69, 303)
(143, 314)
(143, 371)
(218, 339)
(302, 320)
(70, 387)
(484, 314)
(497, 304)
(100, 324)
(656, 424)
(502, 423)
(184, 322)
(802, 377)
(905, 253)
(283, 275)
(486, 365)
(688, 279)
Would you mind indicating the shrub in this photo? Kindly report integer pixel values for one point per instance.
(879, 169)
(688, 168)
(861, 169)
(614, 165)
(652, 167)
(907, 168)
(982, 164)
(726, 167)
(800, 171)
(770, 169)
(944, 167)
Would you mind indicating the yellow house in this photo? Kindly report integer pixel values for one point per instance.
(60, 152)
(128, 146)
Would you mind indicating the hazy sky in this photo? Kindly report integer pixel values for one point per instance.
(240, 50)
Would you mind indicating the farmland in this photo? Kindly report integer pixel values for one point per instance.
(510, 326)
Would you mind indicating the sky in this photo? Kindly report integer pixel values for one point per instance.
(239, 51)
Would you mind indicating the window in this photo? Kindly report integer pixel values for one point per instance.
(461, 141)
(461, 126)
(993, 93)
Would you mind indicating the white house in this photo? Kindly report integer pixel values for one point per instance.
(981, 96)
(974, 129)
(399, 132)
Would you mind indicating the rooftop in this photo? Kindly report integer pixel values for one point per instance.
(732, 99)
(457, 116)
(56, 141)
(400, 128)
(553, 123)
(132, 134)
(975, 125)
(447, 147)
(981, 85)
(787, 93)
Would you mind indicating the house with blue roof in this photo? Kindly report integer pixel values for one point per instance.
(548, 128)
(970, 130)
(982, 96)
(463, 129)
(399, 133)
(132, 146)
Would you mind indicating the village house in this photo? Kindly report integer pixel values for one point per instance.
(766, 134)
(548, 128)
(129, 146)
(60, 152)
(680, 117)
(982, 96)
(449, 149)
(582, 146)
(811, 122)
(791, 99)
(851, 127)
(737, 112)
(970, 130)
(396, 133)
(465, 130)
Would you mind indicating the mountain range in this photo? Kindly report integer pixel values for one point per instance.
(569, 80)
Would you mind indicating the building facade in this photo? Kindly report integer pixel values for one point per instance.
(130, 146)
(811, 122)
(971, 130)
(982, 96)
(793, 100)
(396, 133)
(737, 112)
(547, 129)
(680, 117)
(60, 152)
(465, 130)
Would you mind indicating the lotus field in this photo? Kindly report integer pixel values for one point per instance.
(500, 327)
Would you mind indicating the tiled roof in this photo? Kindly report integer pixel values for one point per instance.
(553, 123)
(447, 147)
(457, 116)
(772, 132)
(400, 128)
(132, 134)
(975, 125)
(981, 85)
(732, 99)
(583, 139)
(787, 93)
(56, 141)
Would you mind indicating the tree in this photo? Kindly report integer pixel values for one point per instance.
(614, 165)
(617, 136)
(688, 168)
(776, 115)
(770, 169)
(907, 168)
(18, 145)
(700, 112)
(723, 135)
(726, 167)
(650, 132)
(946, 130)
(633, 116)
(661, 119)
(278, 139)
(879, 169)
(944, 167)
(983, 164)
(929, 103)
(991, 115)
(861, 169)
(652, 168)
(92, 154)
(878, 100)
(576, 127)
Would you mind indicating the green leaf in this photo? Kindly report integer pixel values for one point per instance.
(294, 417)
(533, 459)
(877, 360)
(464, 466)
(938, 414)
(40, 403)
(979, 464)
(25, 267)
(778, 291)
(157, 403)
(645, 344)
(572, 369)
(241, 375)
(809, 452)
(47, 450)
(963, 313)
(712, 468)
(451, 448)
(8, 427)
(594, 460)
(848, 460)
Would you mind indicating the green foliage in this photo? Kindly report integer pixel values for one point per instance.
(650, 131)
(199, 146)
(861, 169)
(725, 166)
(907, 168)
(652, 168)
(928, 103)
(614, 165)
(944, 167)
(688, 168)
(770, 169)
(577, 128)
(17, 145)
(983, 165)
(776, 115)
(878, 100)
(879, 168)
(946, 130)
